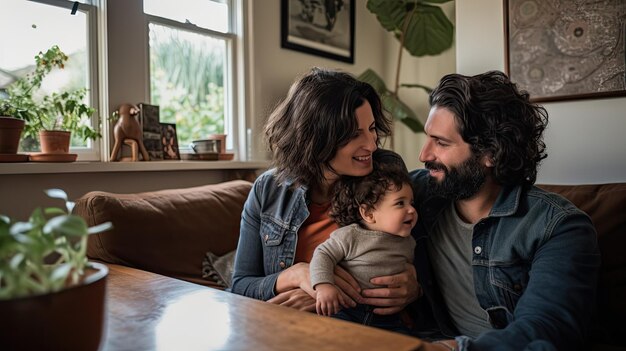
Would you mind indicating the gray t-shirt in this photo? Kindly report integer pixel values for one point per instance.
(450, 249)
(365, 254)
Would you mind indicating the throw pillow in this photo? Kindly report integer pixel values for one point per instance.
(219, 268)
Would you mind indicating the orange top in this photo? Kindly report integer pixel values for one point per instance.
(314, 231)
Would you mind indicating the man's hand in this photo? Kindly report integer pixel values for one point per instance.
(398, 291)
(348, 285)
(295, 298)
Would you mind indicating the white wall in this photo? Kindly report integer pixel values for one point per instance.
(585, 141)
(275, 68)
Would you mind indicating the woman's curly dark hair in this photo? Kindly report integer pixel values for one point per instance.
(352, 192)
(316, 119)
(496, 119)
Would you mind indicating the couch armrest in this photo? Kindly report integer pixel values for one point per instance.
(168, 231)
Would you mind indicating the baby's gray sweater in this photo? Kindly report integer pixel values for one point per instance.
(365, 254)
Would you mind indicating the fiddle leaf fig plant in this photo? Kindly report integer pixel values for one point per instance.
(422, 29)
(45, 253)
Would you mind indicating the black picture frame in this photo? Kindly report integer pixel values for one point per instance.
(151, 127)
(565, 50)
(169, 141)
(310, 27)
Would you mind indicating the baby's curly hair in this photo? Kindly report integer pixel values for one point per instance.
(352, 192)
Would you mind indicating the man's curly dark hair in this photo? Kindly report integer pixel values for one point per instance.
(352, 192)
(496, 119)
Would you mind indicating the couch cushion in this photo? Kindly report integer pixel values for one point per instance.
(168, 231)
(606, 205)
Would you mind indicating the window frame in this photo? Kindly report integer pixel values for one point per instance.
(93, 149)
(232, 120)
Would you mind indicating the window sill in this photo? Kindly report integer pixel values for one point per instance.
(90, 167)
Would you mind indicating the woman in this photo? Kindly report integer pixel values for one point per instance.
(329, 125)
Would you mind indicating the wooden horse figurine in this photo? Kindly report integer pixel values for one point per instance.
(127, 130)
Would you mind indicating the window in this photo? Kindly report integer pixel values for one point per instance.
(191, 66)
(36, 26)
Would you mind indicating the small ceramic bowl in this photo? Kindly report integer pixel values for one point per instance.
(221, 138)
(205, 146)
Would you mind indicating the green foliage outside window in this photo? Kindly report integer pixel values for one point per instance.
(187, 82)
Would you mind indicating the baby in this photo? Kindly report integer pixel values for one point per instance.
(376, 215)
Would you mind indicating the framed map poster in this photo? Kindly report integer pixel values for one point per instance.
(563, 49)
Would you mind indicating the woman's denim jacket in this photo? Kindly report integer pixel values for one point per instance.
(271, 217)
(535, 263)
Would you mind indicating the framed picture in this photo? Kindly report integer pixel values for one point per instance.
(169, 142)
(323, 28)
(149, 119)
(563, 49)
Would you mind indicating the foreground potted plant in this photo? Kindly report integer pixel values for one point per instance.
(51, 297)
(55, 116)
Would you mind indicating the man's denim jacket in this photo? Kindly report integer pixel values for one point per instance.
(535, 263)
(272, 215)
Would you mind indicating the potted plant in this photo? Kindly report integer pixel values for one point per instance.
(55, 116)
(10, 129)
(13, 114)
(51, 297)
(422, 29)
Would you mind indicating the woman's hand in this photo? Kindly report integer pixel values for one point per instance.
(294, 277)
(399, 290)
(295, 298)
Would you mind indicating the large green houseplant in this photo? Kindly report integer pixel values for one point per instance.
(422, 28)
(51, 297)
(63, 111)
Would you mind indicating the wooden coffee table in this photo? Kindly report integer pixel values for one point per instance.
(147, 311)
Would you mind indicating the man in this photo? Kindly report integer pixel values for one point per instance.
(503, 264)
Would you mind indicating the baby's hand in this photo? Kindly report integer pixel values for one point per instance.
(329, 299)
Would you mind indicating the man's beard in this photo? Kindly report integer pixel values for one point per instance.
(460, 182)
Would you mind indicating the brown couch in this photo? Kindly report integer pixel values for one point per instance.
(170, 231)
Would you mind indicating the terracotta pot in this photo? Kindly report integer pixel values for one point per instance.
(10, 133)
(54, 141)
(71, 319)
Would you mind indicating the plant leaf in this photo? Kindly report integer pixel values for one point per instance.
(60, 272)
(402, 112)
(390, 14)
(53, 211)
(16, 260)
(5, 219)
(100, 228)
(429, 31)
(69, 225)
(70, 206)
(426, 88)
(56, 194)
(21, 228)
(437, 1)
(371, 77)
(413, 124)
